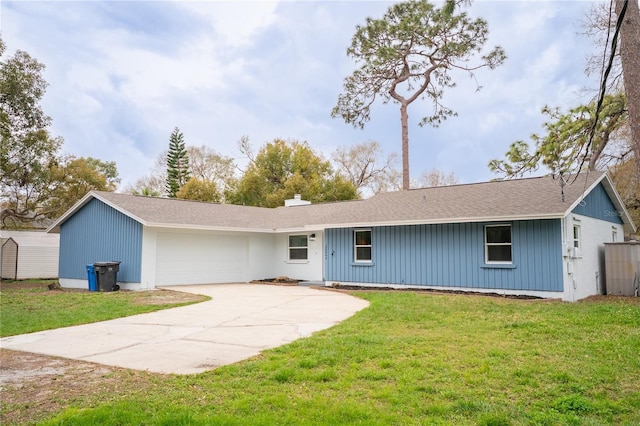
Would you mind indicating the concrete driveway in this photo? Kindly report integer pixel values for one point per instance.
(239, 322)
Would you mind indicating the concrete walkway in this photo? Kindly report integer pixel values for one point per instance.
(239, 322)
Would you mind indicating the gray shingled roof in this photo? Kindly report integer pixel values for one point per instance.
(497, 200)
(167, 211)
(537, 197)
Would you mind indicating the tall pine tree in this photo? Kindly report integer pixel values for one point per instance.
(177, 163)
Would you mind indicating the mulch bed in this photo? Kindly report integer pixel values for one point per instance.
(278, 281)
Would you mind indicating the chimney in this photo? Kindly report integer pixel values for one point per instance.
(296, 201)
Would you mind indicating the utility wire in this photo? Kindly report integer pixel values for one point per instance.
(603, 84)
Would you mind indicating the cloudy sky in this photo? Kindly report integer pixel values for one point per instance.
(123, 74)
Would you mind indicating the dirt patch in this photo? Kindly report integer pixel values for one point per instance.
(34, 387)
(166, 297)
(151, 297)
(7, 285)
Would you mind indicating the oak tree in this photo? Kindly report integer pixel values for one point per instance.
(199, 190)
(27, 150)
(282, 169)
(72, 178)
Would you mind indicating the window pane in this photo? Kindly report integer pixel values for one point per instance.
(363, 238)
(298, 254)
(363, 253)
(498, 234)
(297, 241)
(499, 253)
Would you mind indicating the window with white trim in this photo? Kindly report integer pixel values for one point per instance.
(362, 245)
(614, 234)
(497, 244)
(298, 247)
(576, 236)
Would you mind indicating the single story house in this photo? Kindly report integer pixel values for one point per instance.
(28, 254)
(529, 236)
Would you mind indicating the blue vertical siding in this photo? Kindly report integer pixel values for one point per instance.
(598, 205)
(450, 255)
(97, 233)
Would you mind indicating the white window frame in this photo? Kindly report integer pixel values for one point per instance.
(614, 234)
(356, 246)
(576, 236)
(305, 247)
(487, 244)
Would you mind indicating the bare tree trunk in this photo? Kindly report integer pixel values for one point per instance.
(630, 58)
(404, 119)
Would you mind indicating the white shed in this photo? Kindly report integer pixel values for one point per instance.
(32, 254)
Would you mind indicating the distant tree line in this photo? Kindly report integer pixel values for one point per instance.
(279, 170)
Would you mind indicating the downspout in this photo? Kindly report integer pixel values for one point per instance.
(568, 279)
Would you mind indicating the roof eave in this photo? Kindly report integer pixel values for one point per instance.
(209, 228)
(432, 221)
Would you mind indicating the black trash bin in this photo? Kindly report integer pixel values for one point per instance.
(106, 275)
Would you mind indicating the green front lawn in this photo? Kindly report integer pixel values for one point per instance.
(414, 359)
(28, 306)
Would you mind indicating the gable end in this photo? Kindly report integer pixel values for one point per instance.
(95, 233)
(598, 205)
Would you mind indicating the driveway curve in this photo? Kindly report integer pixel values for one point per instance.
(239, 322)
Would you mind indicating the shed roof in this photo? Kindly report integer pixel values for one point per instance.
(520, 199)
(31, 238)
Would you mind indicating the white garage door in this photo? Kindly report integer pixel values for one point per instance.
(200, 259)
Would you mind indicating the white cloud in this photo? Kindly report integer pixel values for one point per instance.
(236, 23)
(123, 74)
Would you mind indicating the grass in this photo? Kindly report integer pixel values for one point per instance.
(414, 359)
(29, 306)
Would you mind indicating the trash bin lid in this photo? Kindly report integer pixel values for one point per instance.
(111, 263)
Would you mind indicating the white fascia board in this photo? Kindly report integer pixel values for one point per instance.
(209, 228)
(305, 228)
(427, 222)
